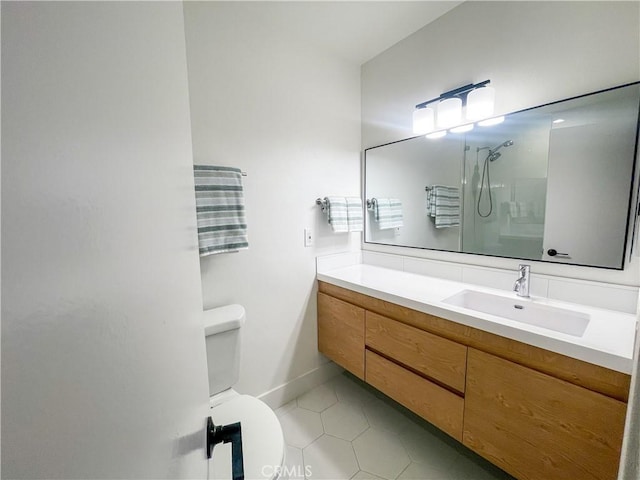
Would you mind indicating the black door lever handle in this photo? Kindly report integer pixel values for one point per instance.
(225, 434)
(552, 252)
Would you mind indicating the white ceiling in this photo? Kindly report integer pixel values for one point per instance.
(355, 30)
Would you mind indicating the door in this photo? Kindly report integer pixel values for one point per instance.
(103, 354)
(586, 215)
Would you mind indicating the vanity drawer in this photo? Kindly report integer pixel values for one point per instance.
(440, 359)
(435, 404)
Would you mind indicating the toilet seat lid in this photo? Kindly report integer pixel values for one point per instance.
(262, 439)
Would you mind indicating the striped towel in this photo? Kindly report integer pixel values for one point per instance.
(337, 216)
(387, 212)
(443, 205)
(220, 209)
(354, 214)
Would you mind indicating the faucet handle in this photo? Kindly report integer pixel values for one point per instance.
(522, 283)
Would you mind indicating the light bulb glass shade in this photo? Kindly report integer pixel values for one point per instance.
(423, 120)
(491, 121)
(438, 134)
(449, 112)
(462, 128)
(480, 103)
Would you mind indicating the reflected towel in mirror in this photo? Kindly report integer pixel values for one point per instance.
(443, 205)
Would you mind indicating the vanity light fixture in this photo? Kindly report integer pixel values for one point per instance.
(477, 100)
(423, 120)
(449, 112)
(480, 102)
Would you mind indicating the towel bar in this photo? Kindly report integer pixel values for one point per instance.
(322, 203)
(371, 203)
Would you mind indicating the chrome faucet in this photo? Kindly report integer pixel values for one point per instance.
(521, 287)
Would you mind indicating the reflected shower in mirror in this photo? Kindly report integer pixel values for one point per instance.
(550, 183)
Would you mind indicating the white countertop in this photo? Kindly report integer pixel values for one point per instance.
(607, 341)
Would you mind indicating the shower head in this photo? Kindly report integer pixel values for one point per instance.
(508, 143)
(493, 152)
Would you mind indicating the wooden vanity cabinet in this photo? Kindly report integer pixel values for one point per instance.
(538, 427)
(534, 413)
(341, 333)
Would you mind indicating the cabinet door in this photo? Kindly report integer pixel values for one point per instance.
(341, 333)
(539, 427)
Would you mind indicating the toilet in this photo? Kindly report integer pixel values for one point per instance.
(262, 440)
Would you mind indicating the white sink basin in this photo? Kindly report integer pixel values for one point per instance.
(523, 311)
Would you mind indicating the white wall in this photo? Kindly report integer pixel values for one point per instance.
(288, 114)
(533, 52)
(402, 170)
(103, 358)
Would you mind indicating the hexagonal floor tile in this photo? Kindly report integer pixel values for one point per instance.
(344, 420)
(286, 408)
(294, 465)
(428, 448)
(301, 427)
(381, 453)
(420, 471)
(383, 416)
(362, 475)
(349, 390)
(330, 458)
(318, 399)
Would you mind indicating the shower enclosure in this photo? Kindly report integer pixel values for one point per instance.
(504, 185)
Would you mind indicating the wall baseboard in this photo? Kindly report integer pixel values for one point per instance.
(286, 392)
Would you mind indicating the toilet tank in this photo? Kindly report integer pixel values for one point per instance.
(222, 335)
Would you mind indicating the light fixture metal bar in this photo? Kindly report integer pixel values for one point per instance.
(456, 92)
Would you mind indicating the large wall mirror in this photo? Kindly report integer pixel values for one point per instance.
(551, 183)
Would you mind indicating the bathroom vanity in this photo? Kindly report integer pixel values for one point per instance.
(538, 403)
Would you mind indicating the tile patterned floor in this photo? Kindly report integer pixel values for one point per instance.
(344, 429)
